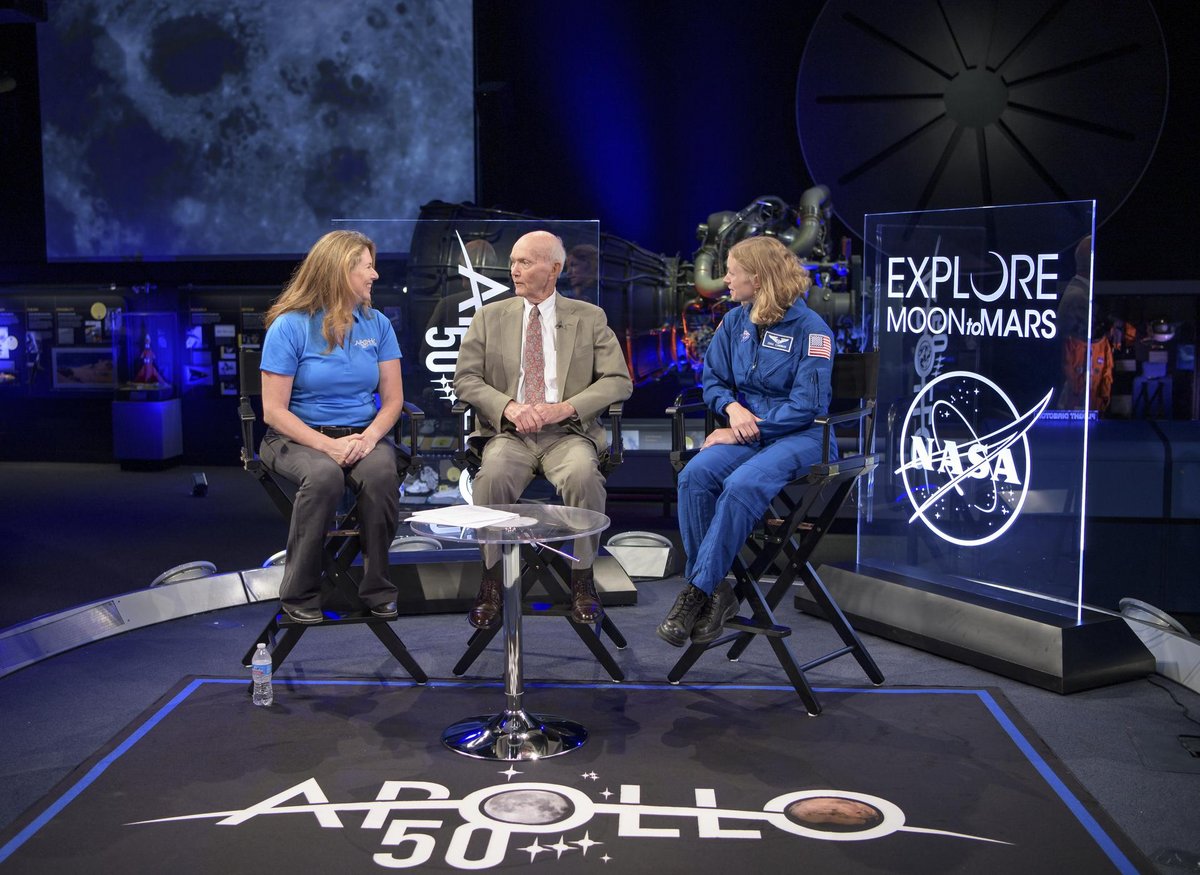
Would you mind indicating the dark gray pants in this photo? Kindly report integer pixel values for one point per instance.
(320, 485)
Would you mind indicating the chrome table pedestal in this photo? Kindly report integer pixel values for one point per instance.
(515, 733)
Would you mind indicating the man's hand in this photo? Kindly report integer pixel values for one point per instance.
(556, 412)
(526, 417)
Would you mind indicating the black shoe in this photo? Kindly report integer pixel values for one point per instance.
(676, 628)
(720, 608)
(305, 616)
(485, 613)
(386, 611)
(585, 604)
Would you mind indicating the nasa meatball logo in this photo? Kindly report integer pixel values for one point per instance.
(964, 457)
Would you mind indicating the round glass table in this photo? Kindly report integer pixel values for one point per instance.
(514, 733)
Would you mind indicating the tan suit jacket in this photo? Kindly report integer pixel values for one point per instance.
(592, 373)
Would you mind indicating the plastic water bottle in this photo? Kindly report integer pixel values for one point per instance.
(260, 672)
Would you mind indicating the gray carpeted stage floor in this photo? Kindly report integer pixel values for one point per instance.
(351, 776)
(59, 712)
(78, 533)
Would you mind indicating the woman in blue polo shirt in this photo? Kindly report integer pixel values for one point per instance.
(767, 370)
(325, 354)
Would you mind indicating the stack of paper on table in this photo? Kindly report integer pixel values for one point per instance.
(463, 516)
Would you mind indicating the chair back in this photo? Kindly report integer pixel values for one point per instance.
(855, 383)
(250, 370)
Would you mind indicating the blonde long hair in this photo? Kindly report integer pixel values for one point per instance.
(781, 276)
(322, 282)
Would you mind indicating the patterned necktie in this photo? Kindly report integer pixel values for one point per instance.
(535, 360)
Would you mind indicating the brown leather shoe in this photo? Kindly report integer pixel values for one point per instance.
(585, 604)
(486, 612)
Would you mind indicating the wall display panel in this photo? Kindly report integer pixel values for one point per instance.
(208, 129)
(12, 350)
(217, 325)
(60, 342)
(84, 369)
(982, 317)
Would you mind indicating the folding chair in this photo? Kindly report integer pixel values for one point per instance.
(339, 586)
(539, 565)
(792, 527)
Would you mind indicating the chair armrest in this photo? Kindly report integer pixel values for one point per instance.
(616, 448)
(688, 402)
(831, 420)
(415, 418)
(464, 413)
(248, 417)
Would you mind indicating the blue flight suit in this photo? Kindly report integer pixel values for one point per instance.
(785, 380)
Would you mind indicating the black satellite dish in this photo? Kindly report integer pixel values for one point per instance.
(930, 104)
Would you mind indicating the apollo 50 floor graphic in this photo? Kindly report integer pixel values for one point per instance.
(352, 774)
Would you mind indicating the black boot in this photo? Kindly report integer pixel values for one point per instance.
(721, 607)
(676, 628)
(585, 604)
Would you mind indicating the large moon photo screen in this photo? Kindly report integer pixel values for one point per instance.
(197, 129)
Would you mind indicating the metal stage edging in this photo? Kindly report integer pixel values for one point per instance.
(1034, 647)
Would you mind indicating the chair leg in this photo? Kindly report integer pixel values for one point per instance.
(540, 568)
(476, 644)
(685, 662)
(291, 637)
(610, 628)
(588, 636)
(281, 647)
(796, 675)
(739, 647)
(385, 633)
(267, 636)
(833, 613)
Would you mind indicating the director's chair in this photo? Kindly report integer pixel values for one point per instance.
(792, 527)
(538, 564)
(339, 587)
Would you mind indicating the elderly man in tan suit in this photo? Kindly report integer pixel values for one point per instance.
(538, 391)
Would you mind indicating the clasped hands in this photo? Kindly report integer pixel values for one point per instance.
(743, 427)
(532, 418)
(350, 450)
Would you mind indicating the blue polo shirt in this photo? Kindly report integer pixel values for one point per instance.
(334, 388)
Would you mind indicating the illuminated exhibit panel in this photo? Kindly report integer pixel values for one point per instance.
(978, 316)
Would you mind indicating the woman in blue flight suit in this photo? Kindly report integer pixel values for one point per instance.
(767, 371)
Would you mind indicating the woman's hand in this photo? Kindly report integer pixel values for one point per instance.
(742, 423)
(720, 436)
(350, 450)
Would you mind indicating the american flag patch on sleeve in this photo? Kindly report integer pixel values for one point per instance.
(820, 345)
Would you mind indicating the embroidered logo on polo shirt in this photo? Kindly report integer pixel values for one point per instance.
(366, 343)
(781, 342)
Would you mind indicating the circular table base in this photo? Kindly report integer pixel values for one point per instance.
(514, 735)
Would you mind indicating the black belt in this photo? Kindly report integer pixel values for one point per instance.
(339, 431)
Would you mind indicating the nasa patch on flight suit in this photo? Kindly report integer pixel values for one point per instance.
(781, 342)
